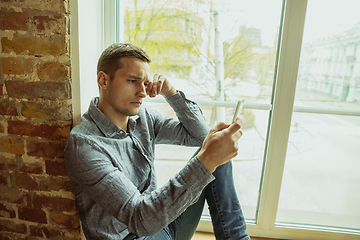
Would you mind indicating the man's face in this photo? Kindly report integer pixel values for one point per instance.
(128, 87)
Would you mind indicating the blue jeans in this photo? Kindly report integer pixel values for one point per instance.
(226, 214)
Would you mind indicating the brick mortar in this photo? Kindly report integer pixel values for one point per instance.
(19, 7)
(46, 21)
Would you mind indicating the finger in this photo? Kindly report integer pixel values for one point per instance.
(160, 83)
(239, 120)
(149, 88)
(221, 126)
(155, 84)
(237, 135)
(234, 127)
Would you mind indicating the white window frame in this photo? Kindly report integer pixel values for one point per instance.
(281, 109)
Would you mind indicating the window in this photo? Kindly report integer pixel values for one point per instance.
(299, 73)
(185, 41)
(321, 181)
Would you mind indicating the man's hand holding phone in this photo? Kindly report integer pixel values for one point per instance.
(220, 145)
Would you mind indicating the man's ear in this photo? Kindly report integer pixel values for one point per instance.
(103, 80)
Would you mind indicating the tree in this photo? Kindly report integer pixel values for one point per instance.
(168, 31)
(238, 55)
(178, 35)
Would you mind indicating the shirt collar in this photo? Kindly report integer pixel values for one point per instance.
(106, 126)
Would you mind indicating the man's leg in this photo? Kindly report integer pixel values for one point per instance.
(226, 214)
(184, 227)
(161, 235)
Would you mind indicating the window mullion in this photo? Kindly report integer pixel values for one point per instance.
(279, 127)
(75, 62)
(110, 23)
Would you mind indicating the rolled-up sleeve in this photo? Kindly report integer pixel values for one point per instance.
(190, 130)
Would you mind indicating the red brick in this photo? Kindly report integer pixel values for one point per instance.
(12, 145)
(35, 168)
(13, 20)
(11, 195)
(17, 66)
(50, 131)
(45, 149)
(6, 211)
(54, 183)
(51, 232)
(24, 181)
(36, 231)
(34, 46)
(2, 127)
(10, 166)
(10, 226)
(48, 25)
(3, 179)
(32, 215)
(8, 107)
(33, 90)
(55, 168)
(62, 219)
(54, 203)
(48, 5)
(53, 71)
(2, 237)
(41, 231)
(8, 163)
(47, 110)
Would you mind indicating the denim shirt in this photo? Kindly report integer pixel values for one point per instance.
(113, 175)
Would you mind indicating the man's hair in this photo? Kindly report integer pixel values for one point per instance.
(109, 60)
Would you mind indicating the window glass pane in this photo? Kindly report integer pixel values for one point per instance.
(247, 165)
(329, 71)
(321, 182)
(181, 40)
(179, 36)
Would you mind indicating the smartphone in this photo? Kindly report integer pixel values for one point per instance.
(238, 110)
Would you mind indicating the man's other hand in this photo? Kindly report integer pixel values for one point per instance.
(159, 85)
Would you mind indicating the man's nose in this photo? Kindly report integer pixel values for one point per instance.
(142, 91)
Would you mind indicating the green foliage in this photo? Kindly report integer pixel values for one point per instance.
(238, 55)
(178, 35)
(170, 35)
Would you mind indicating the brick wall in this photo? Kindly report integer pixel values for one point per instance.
(36, 199)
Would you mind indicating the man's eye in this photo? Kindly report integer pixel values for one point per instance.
(132, 81)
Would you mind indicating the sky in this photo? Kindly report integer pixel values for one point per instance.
(261, 14)
(326, 18)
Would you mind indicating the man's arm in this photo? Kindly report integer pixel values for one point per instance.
(191, 129)
(90, 166)
(220, 145)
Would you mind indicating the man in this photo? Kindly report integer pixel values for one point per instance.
(110, 159)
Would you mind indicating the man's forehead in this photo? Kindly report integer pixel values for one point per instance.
(132, 62)
(134, 76)
(144, 76)
(136, 68)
